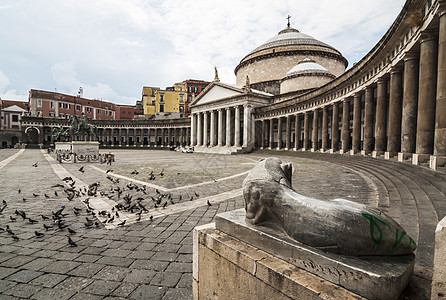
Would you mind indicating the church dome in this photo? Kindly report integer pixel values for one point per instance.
(269, 63)
(308, 66)
(290, 36)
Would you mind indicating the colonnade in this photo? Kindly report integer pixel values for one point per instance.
(223, 127)
(401, 113)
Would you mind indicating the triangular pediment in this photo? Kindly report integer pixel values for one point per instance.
(14, 108)
(215, 92)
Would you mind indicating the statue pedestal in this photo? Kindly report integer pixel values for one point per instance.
(371, 277)
(78, 151)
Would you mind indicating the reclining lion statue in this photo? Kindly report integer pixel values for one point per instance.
(339, 226)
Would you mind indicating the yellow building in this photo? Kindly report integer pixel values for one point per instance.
(171, 101)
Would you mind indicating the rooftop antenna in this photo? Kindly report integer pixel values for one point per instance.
(81, 92)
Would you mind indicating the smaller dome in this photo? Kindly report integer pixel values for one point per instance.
(308, 66)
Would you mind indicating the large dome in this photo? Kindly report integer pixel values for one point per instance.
(307, 66)
(290, 36)
(270, 62)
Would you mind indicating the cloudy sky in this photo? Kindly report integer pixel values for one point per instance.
(112, 48)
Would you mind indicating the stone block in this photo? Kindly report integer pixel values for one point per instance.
(437, 161)
(360, 275)
(225, 271)
(353, 152)
(439, 271)
(388, 155)
(402, 156)
(365, 153)
(418, 159)
(376, 154)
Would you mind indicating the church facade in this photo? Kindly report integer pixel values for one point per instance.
(293, 93)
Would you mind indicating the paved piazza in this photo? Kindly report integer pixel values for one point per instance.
(150, 255)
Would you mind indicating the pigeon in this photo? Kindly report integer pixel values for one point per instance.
(71, 231)
(45, 217)
(32, 220)
(12, 218)
(108, 171)
(47, 226)
(71, 242)
(46, 196)
(38, 234)
(55, 193)
(8, 230)
(20, 191)
(81, 169)
(196, 195)
(135, 172)
(35, 165)
(67, 179)
(122, 223)
(58, 185)
(36, 195)
(15, 237)
(209, 203)
(139, 218)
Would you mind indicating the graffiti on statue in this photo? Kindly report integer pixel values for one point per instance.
(339, 225)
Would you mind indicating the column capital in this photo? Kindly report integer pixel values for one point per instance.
(396, 69)
(428, 35)
(228, 108)
(382, 80)
(411, 55)
(441, 7)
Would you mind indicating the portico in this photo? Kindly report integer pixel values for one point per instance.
(222, 118)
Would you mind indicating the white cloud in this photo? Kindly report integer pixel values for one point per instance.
(10, 94)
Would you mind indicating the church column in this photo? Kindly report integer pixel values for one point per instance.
(297, 130)
(199, 129)
(427, 93)
(228, 127)
(212, 129)
(345, 125)
(335, 128)
(271, 133)
(394, 120)
(205, 129)
(237, 127)
(288, 133)
(120, 137)
(325, 128)
(306, 131)
(163, 134)
(262, 141)
(169, 136)
(440, 110)
(315, 145)
(141, 137)
(156, 136)
(410, 103)
(187, 137)
(279, 133)
(127, 137)
(368, 120)
(247, 124)
(381, 114)
(220, 127)
(356, 141)
(192, 130)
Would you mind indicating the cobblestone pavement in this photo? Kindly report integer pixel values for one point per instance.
(150, 256)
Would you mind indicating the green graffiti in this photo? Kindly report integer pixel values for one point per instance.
(375, 225)
(398, 239)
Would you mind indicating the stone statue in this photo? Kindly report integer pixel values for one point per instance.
(216, 79)
(339, 225)
(79, 127)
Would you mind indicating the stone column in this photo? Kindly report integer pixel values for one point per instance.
(279, 133)
(306, 130)
(297, 130)
(394, 120)
(163, 134)
(288, 133)
(228, 127)
(271, 133)
(220, 127)
(410, 103)
(237, 127)
(188, 136)
(381, 115)
(262, 142)
(427, 93)
(440, 109)
(169, 136)
(199, 130)
(345, 125)
(205, 129)
(120, 136)
(335, 128)
(212, 130)
(246, 125)
(325, 128)
(368, 120)
(141, 137)
(356, 140)
(315, 130)
(192, 130)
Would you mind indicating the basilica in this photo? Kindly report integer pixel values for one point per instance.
(294, 93)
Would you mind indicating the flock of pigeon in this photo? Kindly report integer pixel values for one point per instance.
(129, 198)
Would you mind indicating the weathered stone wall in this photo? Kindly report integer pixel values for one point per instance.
(275, 68)
(439, 272)
(303, 82)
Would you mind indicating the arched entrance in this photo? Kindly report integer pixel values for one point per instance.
(14, 140)
(32, 135)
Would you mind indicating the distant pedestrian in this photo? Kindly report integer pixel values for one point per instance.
(109, 159)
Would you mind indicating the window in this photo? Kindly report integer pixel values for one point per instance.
(181, 108)
(67, 116)
(15, 118)
(161, 107)
(78, 107)
(181, 98)
(52, 104)
(52, 114)
(153, 93)
(61, 115)
(88, 109)
(68, 105)
(161, 97)
(39, 103)
(106, 112)
(60, 104)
